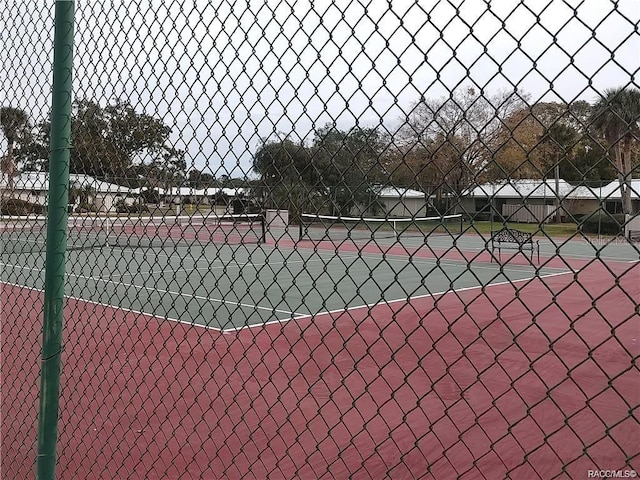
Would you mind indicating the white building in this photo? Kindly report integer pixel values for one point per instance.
(33, 187)
(536, 200)
(403, 202)
(193, 195)
(394, 202)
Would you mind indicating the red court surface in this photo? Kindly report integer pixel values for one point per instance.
(538, 379)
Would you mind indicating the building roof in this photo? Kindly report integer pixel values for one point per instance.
(194, 192)
(522, 189)
(547, 189)
(398, 192)
(39, 181)
(98, 186)
(612, 190)
(530, 188)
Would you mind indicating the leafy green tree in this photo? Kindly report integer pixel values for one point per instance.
(616, 116)
(83, 193)
(14, 123)
(557, 147)
(200, 179)
(287, 177)
(167, 169)
(350, 165)
(589, 164)
(579, 159)
(284, 160)
(534, 139)
(296, 197)
(108, 142)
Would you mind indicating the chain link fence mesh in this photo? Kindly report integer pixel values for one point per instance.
(341, 240)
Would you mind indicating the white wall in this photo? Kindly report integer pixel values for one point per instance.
(633, 224)
(277, 218)
(105, 202)
(405, 207)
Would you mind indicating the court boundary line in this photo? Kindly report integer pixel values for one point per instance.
(253, 265)
(169, 292)
(293, 315)
(398, 300)
(473, 250)
(411, 259)
(114, 307)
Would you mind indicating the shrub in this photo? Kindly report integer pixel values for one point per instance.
(150, 196)
(604, 223)
(122, 207)
(86, 208)
(16, 206)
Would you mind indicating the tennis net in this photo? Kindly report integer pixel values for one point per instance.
(334, 228)
(28, 234)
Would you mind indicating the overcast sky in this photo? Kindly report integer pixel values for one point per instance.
(227, 73)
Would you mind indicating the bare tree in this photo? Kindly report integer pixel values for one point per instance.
(453, 137)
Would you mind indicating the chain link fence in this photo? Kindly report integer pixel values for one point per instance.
(341, 240)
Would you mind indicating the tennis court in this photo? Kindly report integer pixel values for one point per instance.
(335, 357)
(217, 285)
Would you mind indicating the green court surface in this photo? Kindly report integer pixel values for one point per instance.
(228, 287)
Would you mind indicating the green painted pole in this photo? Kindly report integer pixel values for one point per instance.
(56, 239)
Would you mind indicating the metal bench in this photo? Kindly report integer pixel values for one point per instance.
(512, 239)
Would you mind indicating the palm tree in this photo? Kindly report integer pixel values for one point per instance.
(81, 192)
(13, 122)
(616, 116)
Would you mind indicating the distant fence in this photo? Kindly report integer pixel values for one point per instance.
(527, 213)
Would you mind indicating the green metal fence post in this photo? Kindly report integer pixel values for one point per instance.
(56, 238)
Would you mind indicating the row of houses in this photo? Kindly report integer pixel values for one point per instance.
(520, 200)
(33, 187)
(530, 201)
(536, 201)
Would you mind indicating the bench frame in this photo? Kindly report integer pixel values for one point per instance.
(512, 239)
(634, 235)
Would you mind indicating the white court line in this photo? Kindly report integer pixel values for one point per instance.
(408, 260)
(114, 307)
(460, 263)
(292, 315)
(365, 257)
(169, 292)
(211, 268)
(417, 260)
(390, 302)
(550, 254)
(474, 246)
